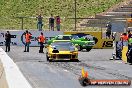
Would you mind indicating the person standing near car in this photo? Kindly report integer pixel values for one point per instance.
(27, 38)
(7, 41)
(41, 40)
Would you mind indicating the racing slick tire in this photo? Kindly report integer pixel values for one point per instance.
(88, 49)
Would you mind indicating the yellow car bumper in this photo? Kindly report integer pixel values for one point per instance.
(63, 56)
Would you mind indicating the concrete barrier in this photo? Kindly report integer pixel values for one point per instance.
(3, 82)
(10, 75)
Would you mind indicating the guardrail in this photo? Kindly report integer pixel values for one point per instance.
(11, 76)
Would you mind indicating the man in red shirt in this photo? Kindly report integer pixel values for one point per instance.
(58, 23)
(41, 40)
(27, 38)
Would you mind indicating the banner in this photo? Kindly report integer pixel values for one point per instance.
(18, 37)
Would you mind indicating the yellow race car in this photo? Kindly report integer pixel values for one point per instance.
(61, 50)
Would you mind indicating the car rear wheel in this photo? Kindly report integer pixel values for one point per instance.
(88, 49)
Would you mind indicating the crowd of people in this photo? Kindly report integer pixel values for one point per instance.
(52, 21)
(28, 37)
(125, 39)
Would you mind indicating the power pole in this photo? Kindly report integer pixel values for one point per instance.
(22, 23)
(75, 15)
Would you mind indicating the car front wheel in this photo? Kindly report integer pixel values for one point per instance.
(88, 49)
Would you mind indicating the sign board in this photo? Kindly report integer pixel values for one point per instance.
(19, 38)
(118, 26)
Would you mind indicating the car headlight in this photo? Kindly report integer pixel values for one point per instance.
(91, 43)
(72, 49)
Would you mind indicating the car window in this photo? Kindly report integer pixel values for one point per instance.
(75, 37)
(59, 38)
(66, 38)
(88, 37)
(62, 44)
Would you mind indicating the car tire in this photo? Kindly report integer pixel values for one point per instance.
(79, 48)
(74, 60)
(47, 57)
(88, 49)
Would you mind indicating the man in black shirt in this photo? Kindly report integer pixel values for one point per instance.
(108, 30)
(51, 23)
(7, 41)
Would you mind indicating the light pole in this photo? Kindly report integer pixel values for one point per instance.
(75, 15)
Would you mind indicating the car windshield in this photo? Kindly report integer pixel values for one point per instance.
(63, 37)
(88, 37)
(75, 37)
(63, 46)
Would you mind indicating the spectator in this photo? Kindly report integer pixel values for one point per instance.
(129, 56)
(39, 24)
(27, 38)
(129, 34)
(129, 39)
(41, 40)
(51, 23)
(7, 41)
(58, 23)
(117, 46)
(108, 30)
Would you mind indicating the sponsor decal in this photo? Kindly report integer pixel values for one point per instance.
(107, 44)
(85, 81)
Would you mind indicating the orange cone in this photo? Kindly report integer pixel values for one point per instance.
(86, 74)
(83, 72)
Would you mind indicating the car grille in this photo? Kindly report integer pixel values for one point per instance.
(64, 56)
(90, 44)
